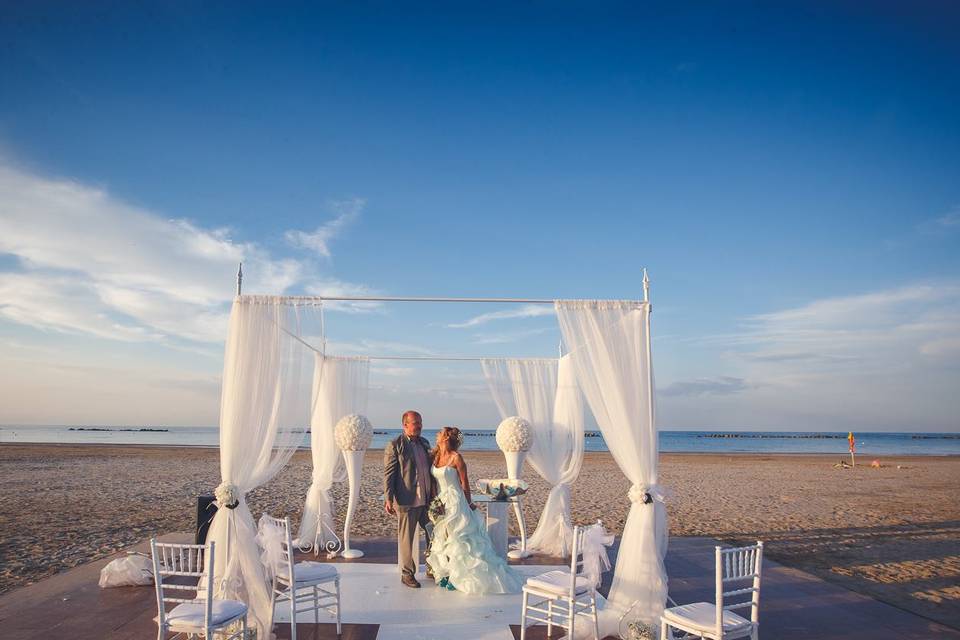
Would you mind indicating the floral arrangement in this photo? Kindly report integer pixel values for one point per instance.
(227, 495)
(353, 433)
(631, 627)
(637, 630)
(501, 488)
(514, 434)
(436, 510)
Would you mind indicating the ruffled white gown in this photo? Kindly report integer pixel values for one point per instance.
(460, 549)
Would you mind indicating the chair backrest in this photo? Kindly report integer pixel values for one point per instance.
(578, 563)
(737, 567)
(182, 561)
(284, 563)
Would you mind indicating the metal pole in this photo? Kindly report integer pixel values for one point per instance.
(240, 279)
(646, 298)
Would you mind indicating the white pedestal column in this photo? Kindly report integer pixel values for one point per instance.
(514, 472)
(354, 462)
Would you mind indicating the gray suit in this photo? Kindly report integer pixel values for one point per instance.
(400, 480)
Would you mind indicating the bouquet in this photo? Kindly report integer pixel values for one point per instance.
(436, 510)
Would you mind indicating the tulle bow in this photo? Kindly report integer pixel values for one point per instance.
(594, 547)
(270, 537)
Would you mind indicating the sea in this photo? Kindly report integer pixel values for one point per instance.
(719, 441)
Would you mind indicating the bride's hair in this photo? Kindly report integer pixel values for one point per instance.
(450, 439)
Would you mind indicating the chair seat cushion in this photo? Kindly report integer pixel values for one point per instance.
(309, 571)
(189, 615)
(557, 582)
(702, 616)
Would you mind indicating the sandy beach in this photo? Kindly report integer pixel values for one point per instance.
(892, 533)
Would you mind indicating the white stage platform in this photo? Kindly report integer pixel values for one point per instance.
(372, 593)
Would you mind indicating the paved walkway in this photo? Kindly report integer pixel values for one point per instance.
(794, 604)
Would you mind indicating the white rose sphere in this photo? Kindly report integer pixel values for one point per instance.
(353, 433)
(514, 434)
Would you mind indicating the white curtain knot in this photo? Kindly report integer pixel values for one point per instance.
(645, 494)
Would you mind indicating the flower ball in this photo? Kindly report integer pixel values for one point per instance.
(353, 433)
(514, 434)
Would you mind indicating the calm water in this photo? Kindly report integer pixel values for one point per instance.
(672, 441)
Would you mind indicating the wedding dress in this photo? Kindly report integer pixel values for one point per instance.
(461, 553)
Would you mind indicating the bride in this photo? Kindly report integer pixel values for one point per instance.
(461, 555)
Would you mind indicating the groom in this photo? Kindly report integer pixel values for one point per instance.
(408, 490)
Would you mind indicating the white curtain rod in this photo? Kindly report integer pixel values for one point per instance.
(407, 299)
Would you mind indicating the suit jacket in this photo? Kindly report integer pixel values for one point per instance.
(400, 472)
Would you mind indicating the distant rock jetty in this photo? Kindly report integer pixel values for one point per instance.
(140, 430)
(777, 436)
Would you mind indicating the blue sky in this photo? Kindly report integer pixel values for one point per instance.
(789, 175)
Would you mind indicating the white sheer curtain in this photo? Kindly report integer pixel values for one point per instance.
(340, 387)
(544, 392)
(264, 410)
(608, 346)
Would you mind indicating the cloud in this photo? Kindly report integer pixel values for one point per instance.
(724, 385)
(331, 287)
(87, 262)
(512, 336)
(884, 359)
(951, 220)
(941, 225)
(378, 347)
(526, 311)
(394, 372)
(319, 239)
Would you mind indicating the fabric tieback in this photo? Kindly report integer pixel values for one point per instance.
(594, 543)
(646, 494)
(270, 537)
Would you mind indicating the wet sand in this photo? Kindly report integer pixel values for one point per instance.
(892, 533)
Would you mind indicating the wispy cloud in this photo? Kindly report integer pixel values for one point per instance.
(378, 347)
(88, 262)
(951, 220)
(526, 311)
(886, 359)
(947, 223)
(509, 336)
(723, 385)
(319, 239)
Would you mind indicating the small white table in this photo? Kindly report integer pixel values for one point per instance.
(497, 512)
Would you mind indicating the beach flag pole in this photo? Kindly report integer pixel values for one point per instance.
(853, 446)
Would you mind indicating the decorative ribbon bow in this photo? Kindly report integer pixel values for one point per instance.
(270, 537)
(594, 548)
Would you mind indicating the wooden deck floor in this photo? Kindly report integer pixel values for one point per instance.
(793, 604)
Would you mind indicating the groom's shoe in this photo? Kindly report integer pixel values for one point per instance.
(410, 581)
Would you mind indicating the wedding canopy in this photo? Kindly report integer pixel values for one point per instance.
(276, 381)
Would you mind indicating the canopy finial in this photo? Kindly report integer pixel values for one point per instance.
(240, 279)
(646, 286)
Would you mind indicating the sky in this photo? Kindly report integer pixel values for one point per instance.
(789, 175)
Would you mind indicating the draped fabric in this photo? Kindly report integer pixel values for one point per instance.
(264, 410)
(544, 392)
(609, 349)
(340, 387)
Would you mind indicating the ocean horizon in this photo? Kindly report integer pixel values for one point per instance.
(671, 441)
